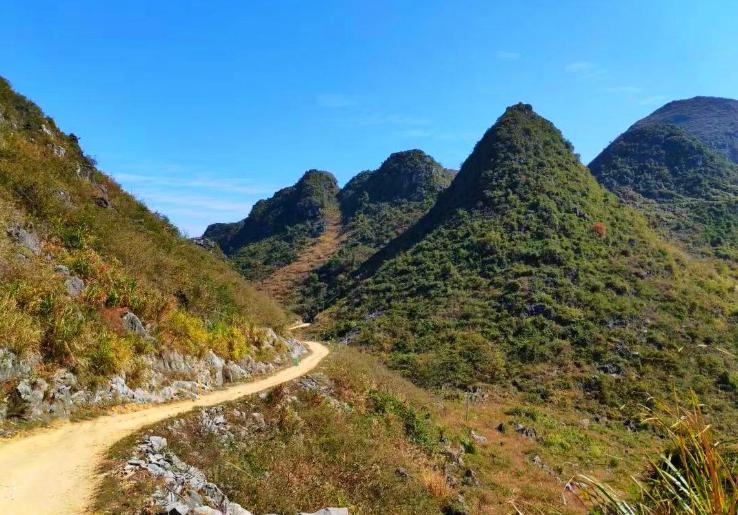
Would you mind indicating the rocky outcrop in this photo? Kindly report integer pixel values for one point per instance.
(166, 377)
(183, 489)
(25, 238)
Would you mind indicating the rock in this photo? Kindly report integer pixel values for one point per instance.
(205, 243)
(12, 367)
(480, 439)
(216, 367)
(528, 432)
(74, 286)
(157, 443)
(232, 372)
(61, 269)
(26, 399)
(328, 511)
(206, 510)
(258, 419)
(132, 324)
(610, 368)
(401, 472)
(26, 239)
(233, 508)
(102, 202)
(470, 478)
(61, 397)
(176, 508)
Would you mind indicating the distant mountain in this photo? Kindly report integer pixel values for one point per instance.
(527, 270)
(376, 206)
(305, 240)
(672, 172)
(713, 120)
(279, 228)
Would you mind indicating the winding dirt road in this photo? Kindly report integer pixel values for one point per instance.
(54, 470)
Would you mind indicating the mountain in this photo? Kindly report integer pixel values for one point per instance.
(304, 242)
(713, 120)
(92, 283)
(667, 166)
(279, 228)
(527, 271)
(376, 206)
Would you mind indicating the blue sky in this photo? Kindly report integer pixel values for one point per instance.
(202, 108)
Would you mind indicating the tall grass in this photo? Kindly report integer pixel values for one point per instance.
(692, 475)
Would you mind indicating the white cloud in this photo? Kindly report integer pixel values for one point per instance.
(504, 55)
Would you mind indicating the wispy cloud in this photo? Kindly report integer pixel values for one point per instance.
(191, 198)
(505, 55)
(579, 66)
(653, 99)
(585, 70)
(626, 90)
(368, 118)
(336, 100)
(211, 183)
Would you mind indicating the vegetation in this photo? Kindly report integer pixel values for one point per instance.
(62, 218)
(680, 183)
(528, 272)
(376, 206)
(711, 119)
(339, 442)
(693, 475)
(279, 228)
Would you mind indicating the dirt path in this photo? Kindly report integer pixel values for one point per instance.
(54, 470)
(283, 283)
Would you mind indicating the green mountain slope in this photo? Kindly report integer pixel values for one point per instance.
(683, 185)
(527, 271)
(713, 120)
(279, 228)
(77, 253)
(376, 206)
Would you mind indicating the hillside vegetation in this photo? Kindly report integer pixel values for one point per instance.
(376, 207)
(527, 271)
(304, 242)
(678, 181)
(713, 120)
(279, 228)
(77, 253)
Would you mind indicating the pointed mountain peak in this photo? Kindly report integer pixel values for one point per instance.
(411, 175)
(520, 150)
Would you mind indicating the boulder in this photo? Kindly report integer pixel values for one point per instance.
(26, 399)
(206, 510)
(215, 363)
(233, 508)
(480, 439)
(74, 286)
(25, 238)
(12, 367)
(232, 372)
(132, 324)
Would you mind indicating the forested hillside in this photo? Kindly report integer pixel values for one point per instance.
(527, 271)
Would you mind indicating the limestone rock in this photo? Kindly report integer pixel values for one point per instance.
(74, 286)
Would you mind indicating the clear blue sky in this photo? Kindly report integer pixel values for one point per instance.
(201, 108)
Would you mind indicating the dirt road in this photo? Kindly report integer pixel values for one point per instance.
(54, 470)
